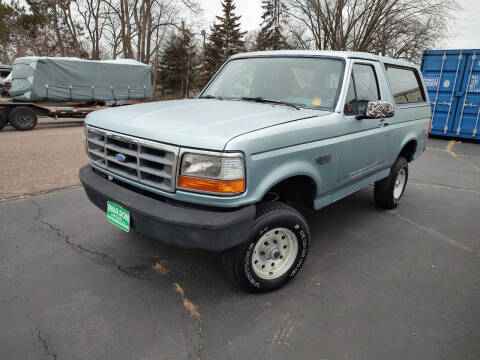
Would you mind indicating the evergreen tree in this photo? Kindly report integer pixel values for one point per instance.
(179, 66)
(274, 18)
(225, 39)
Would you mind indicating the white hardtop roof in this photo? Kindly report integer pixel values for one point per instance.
(117, 61)
(309, 53)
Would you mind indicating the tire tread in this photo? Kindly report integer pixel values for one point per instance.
(383, 191)
(13, 121)
(232, 258)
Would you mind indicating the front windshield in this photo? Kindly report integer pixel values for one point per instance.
(305, 82)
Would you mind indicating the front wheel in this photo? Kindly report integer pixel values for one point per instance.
(389, 191)
(275, 251)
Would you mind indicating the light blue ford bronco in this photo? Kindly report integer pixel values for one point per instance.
(271, 133)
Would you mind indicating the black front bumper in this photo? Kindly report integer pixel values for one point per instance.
(177, 225)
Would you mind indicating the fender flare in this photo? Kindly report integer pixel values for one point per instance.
(408, 138)
(286, 171)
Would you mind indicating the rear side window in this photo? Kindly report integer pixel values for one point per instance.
(405, 84)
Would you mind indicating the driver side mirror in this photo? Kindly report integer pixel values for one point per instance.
(378, 110)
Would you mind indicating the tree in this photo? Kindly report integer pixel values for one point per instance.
(70, 38)
(274, 18)
(396, 28)
(179, 67)
(251, 38)
(29, 29)
(39, 27)
(94, 16)
(8, 19)
(138, 26)
(113, 34)
(225, 39)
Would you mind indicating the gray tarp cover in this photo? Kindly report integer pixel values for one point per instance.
(73, 79)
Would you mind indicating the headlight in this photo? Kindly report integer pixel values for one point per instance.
(215, 174)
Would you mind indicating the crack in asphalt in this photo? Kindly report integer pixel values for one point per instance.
(438, 186)
(45, 346)
(284, 332)
(105, 258)
(198, 354)
(449, 150)
(188, 305)
(36, 193)
(194, 313)
(435, 234)
(202, 340)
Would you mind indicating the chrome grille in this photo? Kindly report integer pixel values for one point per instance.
(143, 161)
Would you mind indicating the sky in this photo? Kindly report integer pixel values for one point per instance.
(250, 11)
(465, 32)
(468, 27)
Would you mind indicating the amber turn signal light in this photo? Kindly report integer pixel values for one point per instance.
(85, 148)
(214, 186)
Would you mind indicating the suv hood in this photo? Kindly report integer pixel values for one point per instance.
(199, 123)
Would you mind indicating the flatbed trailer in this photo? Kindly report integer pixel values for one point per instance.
(24, 116)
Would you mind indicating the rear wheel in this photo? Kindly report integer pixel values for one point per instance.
(388, 192)
(23, 118)
(274, 252)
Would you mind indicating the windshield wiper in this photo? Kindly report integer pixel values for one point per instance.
(270, 101)
(211, 97)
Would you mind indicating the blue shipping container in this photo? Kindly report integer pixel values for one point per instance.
(452, 78)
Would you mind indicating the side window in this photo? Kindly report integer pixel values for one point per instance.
(366, 85)
(363, 88)
(405, 84)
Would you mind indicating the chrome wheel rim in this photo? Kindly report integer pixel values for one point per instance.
(274, 253)
(400, 183)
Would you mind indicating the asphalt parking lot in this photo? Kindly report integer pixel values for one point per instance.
(44, 159)
(400, 284)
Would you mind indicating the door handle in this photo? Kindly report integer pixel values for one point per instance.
(383, 123)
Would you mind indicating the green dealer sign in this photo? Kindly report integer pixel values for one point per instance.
(118, 216)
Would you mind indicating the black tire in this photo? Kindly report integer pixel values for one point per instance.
(23, 118)
(384, 192)
(3, 120)
(270, 216)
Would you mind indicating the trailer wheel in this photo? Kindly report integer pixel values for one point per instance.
(23, 118)
(3, 120)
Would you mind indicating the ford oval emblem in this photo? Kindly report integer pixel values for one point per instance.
(120, 157)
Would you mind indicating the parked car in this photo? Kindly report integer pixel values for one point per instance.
(270, 133)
